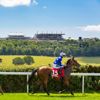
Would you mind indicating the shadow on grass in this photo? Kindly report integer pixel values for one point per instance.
(58, 95)
(92, 91)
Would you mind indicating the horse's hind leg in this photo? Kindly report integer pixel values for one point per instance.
(35, 89)
(1, 90)
(45, 87)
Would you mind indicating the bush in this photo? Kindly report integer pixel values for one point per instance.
(28, 60)
(18, 61)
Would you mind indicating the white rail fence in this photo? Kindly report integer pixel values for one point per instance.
(27, 74)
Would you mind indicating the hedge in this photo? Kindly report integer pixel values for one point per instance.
(28, 60)
(18, 83)
(18, 61)
(21, 61)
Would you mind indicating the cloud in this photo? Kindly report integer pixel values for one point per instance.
(91, 28)
(44, 7)
(14, 3)
(34, 2)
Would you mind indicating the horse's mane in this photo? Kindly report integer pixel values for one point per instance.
(68, 62)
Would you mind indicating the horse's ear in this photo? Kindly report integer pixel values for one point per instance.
(73, 57)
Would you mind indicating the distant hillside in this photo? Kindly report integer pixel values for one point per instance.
(83, 47)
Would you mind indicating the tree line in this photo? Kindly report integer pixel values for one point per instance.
(89, 47)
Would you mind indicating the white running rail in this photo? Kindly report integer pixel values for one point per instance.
(73, 74)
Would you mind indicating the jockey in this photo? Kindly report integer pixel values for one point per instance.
(58, 62)
(58, 70)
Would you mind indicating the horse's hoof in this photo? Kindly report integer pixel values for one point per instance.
(60, 92)
(48, 94)
(1, 93)
(32, 93)
(72, 93)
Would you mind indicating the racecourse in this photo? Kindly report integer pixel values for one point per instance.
(43, 60)
(43, 96)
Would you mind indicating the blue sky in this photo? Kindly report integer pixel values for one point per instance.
(73, 17)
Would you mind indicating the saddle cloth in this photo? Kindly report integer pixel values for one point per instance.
(57, 73)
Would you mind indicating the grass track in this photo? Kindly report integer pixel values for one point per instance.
(41, 96)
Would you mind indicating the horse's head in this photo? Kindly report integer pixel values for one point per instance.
(72, 62)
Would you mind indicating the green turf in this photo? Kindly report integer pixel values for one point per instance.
(41, 96)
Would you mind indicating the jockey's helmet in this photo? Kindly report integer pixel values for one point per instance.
(62, 54)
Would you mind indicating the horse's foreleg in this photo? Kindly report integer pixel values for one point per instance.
(61, 85)
(67, 86)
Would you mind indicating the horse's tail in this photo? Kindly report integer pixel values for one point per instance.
(32, 75)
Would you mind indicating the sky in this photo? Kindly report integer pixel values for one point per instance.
(74, 18)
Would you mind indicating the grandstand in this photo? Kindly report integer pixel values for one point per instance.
(18, 37)
(49, 36)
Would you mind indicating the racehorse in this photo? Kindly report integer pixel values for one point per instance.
(43, 74)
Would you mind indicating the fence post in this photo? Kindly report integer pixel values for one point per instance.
(27, 84)
(83, 84)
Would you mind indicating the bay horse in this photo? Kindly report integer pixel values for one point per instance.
(43, 74)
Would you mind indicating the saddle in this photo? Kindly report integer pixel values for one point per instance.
(57, 73)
